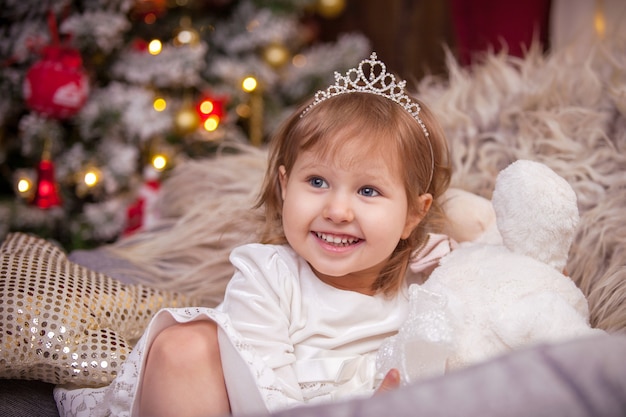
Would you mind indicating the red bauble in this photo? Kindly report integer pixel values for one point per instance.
(142, 213)
(57, 85)
(47, 193)
(139, 45)
(210, 105)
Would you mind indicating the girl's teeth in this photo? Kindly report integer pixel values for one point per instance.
(336, 239)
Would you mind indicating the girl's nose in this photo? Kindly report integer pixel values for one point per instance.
(338, 209)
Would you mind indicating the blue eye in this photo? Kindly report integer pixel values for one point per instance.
(368, 192)
(318, 182)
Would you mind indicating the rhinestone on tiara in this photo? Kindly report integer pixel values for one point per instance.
(377, 81)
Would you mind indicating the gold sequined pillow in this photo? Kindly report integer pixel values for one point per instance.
(63, 323)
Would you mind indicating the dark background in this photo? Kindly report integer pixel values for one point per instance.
(409, 35)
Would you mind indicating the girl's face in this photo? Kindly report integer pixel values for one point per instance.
(345, 216)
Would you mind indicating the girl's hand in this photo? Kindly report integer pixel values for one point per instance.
(390, 382)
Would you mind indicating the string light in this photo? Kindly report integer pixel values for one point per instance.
(211, 123)
(24, 185)
(206, 107)
(249, 84)
(159, 162)
(91, 177)
(159, 104)
(87, 181)
(155, 46)
(186, 34)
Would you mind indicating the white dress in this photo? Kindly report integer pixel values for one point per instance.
(286, 338)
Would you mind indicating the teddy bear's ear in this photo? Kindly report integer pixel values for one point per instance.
(536, 212)
(469, 217)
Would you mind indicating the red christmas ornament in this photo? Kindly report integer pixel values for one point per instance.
(139, 45)
(134, 217)
(211, 105)
(57, 85)
(47, 193)
(142, 212)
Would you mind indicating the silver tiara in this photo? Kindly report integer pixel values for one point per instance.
(378, 81)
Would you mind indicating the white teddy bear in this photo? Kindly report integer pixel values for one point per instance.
(486, 299)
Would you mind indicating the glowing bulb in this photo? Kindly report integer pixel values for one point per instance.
(23, 185)
(206, 107)
(160, 104)
(184, 36)
(211, 123)
(249, 84)
(155, 47)
(159, 162)
(90, 178)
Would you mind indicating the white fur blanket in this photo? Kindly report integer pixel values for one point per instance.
(560, 109)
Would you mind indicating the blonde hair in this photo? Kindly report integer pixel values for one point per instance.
(382, 126)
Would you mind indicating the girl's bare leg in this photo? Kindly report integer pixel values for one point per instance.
(183, 374)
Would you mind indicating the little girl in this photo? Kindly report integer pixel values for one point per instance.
(350, 194)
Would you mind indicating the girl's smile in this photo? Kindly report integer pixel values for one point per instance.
(337, 241)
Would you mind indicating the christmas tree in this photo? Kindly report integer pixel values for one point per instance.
(100, 98)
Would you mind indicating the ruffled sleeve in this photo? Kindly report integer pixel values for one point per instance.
(260, 299)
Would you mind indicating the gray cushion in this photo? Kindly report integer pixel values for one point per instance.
(581, 378)
(26, 399)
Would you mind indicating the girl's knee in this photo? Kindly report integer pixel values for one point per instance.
(184, 363)
(186, 344)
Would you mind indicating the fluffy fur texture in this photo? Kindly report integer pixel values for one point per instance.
(560, 109)
(506, 296)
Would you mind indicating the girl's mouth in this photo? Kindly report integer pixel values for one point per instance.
(337, 240)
